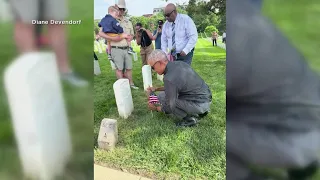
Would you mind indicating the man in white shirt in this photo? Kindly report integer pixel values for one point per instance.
(224, 36)
(181, 32)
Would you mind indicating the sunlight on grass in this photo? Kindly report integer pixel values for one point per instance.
(149, 143)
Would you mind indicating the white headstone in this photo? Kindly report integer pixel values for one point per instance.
(123, 97)
(97, 44)
(146, 76)
(96, 65)
(160, 77)
(38, 113)
(108, 134)
(135, 57)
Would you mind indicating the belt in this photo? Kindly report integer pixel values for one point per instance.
(120, 47)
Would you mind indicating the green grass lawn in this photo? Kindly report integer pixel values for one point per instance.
(79, 101)
(299, 21)
(149, 143)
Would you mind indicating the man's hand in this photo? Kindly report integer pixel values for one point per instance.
(159, 30)
(182, 53)
(116, 38)
(152, 107)
(149, 89)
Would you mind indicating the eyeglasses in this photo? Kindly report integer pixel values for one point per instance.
(167, 15)
(154, 65)
(122, 9)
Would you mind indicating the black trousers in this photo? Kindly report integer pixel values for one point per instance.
(214, 41)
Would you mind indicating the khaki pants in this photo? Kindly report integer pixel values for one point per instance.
(28, 10)
(145, 52)
(121, 58)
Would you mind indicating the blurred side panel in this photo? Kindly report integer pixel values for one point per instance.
(76, 84)
(273, 85)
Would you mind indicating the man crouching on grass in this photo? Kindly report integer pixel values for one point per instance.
(185, 94)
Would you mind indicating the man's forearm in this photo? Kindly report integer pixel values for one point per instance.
(110, 38)
(160, 89)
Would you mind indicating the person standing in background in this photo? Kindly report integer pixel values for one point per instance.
(214, 38)
(144, 39)
(119, 52)
(224, 37)
(181, 31)
(157, 35)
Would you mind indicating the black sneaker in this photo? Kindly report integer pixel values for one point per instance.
(109, 57)
(187, 122)
(303, 173)
(203, 115)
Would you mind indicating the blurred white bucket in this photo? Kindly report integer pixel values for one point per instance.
(96, 67)
(38, 113)
(146, 76)
(123, 97)
(108, 134)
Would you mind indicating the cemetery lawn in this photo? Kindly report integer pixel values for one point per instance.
(149, 143)
(79, 101)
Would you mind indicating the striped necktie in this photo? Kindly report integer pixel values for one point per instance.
(173, 51)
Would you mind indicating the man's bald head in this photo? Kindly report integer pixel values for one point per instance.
(170, 12)
(170, 7)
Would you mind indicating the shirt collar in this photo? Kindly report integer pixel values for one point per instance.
(166, 69)
(177, 19)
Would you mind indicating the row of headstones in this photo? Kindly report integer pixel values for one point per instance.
(108, 134)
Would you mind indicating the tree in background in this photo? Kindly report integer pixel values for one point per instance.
(207, 13)
(210, 29)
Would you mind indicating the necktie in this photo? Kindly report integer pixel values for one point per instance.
(173, 51)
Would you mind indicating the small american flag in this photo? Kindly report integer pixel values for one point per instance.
(153, 98)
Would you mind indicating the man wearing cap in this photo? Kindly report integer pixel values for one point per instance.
(119, 46)
(180, 30)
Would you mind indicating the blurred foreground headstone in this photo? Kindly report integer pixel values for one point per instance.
(39, 115)
(108, 134)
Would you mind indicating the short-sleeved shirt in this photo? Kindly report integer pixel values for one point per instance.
(127, 28)
(110, 25)
(157, 41)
